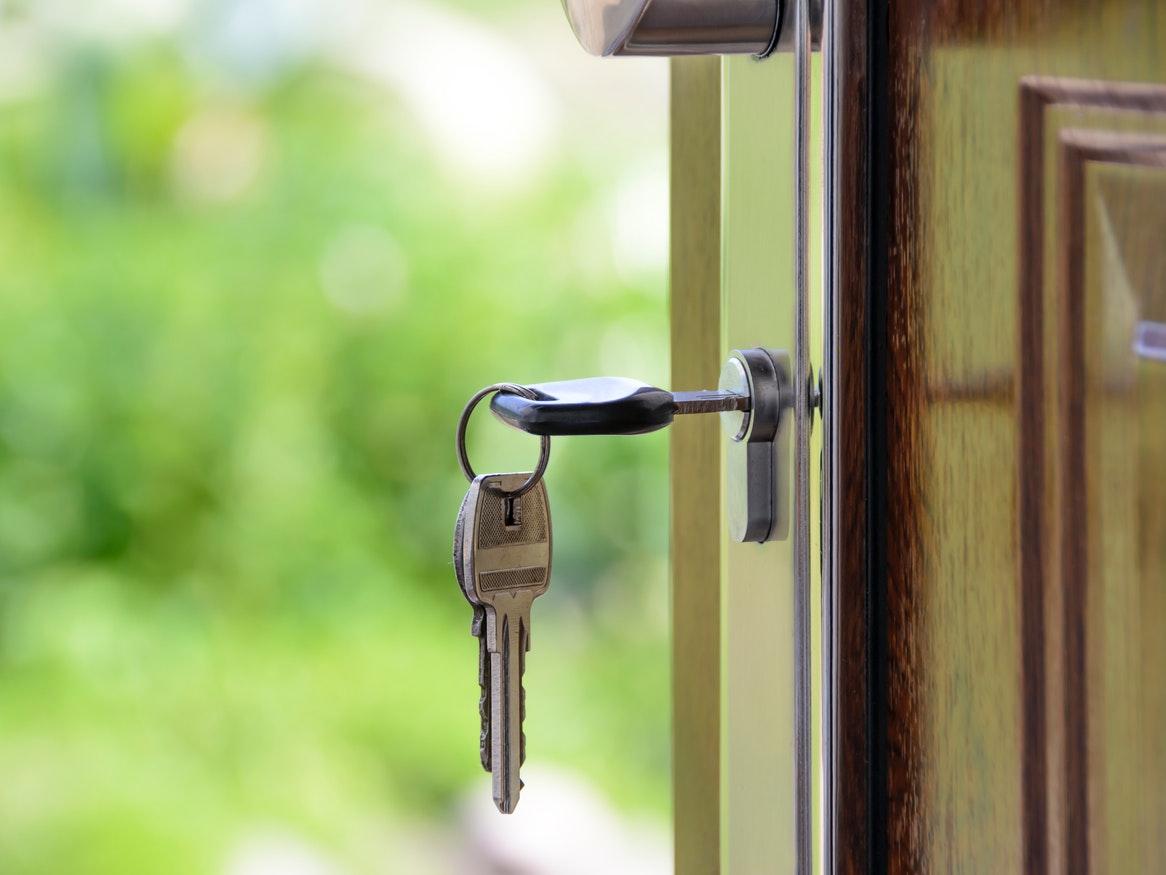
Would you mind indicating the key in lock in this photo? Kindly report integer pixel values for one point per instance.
(755, 399)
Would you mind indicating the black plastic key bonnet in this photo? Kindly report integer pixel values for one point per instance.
(597, 405)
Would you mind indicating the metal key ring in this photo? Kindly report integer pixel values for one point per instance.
(463, 457)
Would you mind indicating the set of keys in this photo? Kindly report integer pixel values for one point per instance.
(502, 558)
(502, 540)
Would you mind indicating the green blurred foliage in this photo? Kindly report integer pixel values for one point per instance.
(226, 502)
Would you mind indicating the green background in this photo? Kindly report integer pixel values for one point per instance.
(243, 305)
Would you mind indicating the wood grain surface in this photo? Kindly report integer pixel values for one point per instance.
(960, 549)
(847, 616)
(1053, 785)
(1109, 577)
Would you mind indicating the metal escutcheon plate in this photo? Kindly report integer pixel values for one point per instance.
(757, 463)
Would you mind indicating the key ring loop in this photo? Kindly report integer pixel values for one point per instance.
(463, 457)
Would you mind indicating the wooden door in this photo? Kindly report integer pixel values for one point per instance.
(997, 226)
(991, 650)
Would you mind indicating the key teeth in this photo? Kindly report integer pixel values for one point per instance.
(522, 650)
(484, 735)
(484, 752)
(483, 692)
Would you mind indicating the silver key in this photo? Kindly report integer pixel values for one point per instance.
(506, 564)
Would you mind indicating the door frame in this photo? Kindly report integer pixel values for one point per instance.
(853, 728)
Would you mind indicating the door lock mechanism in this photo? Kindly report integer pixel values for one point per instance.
(757, 457)
(755, 400)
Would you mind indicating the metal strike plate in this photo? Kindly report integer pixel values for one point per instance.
(757, 460)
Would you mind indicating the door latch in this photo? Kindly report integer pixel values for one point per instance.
(755, 400)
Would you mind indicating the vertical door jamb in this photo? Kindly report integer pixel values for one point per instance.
(695, 302)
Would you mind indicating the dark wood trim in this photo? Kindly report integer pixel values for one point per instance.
(848, 789)
(1037, 95)
(695, 302)
(880, 212)
(1079, 148)
(878, 198)
(901, 350)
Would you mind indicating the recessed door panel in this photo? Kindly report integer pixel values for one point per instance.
(1113, 537)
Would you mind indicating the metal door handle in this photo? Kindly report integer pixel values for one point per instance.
(685, 27)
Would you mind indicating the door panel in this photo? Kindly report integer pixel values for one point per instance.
(1055, 113)
(995, 396)
(1114, 474)
(1018, 567)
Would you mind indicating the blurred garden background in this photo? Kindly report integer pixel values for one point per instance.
(254, 257)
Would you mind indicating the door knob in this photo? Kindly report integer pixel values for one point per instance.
(675, 27)
(755, 400)
(686, 27)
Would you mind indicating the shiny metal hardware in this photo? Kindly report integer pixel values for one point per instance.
(685, 27)
(463, 457)
(757, 457)
(755, 400)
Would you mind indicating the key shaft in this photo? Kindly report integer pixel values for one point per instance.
(507, 665)
(709, 401)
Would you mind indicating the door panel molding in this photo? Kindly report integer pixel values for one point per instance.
(1078, 149)
(1053, 640)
